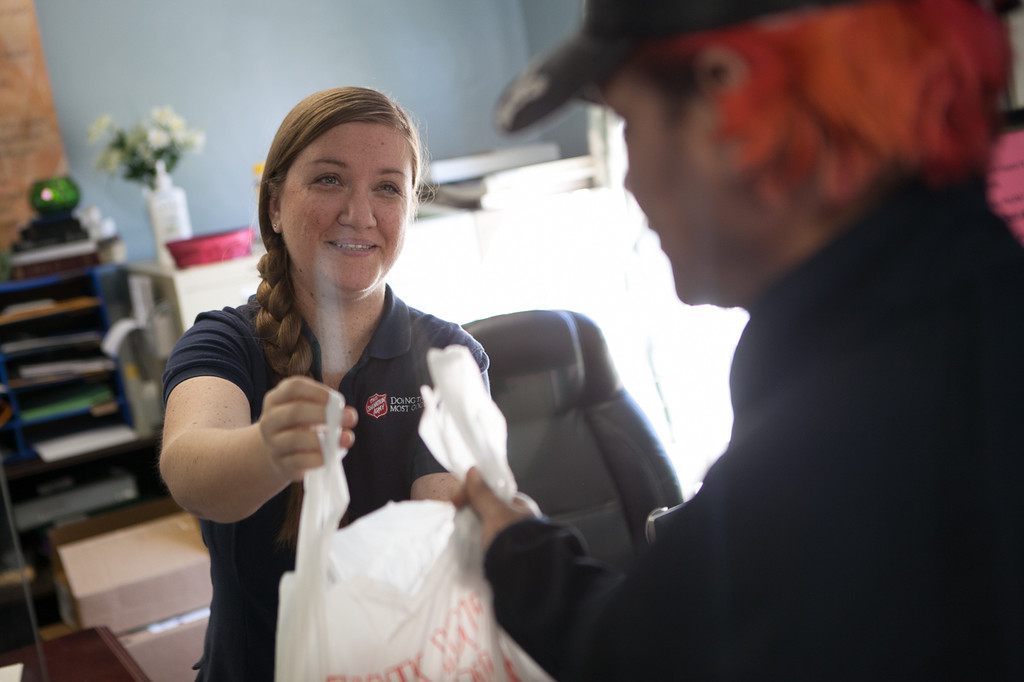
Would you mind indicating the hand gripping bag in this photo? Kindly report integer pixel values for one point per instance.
(399, 595)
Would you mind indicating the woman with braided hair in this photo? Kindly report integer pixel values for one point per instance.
(246, 388)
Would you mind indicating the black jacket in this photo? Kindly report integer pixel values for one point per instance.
(867, 519)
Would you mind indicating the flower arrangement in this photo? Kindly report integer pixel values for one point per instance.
(133, 152)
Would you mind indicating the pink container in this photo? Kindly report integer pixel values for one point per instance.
(211, 248)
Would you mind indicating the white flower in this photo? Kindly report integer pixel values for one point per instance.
(165, 116)
(137, 139)
(187, 139)
(134, 152)
(158, 138)
(110, 160)
(99, 127)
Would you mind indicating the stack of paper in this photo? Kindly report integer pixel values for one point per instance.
(83, 441)
(77, 366)
(512, 187)
(64, 399)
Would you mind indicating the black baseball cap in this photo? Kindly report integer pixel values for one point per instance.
(610, 29)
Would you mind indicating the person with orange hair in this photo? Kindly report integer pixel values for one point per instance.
(822, 165)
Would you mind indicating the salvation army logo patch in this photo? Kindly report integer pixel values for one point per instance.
(377, 405)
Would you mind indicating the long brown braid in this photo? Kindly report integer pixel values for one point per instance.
(278, 322)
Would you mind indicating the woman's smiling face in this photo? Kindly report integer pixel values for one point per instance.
(342, 211)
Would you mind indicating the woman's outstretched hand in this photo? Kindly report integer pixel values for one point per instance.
(292, 413)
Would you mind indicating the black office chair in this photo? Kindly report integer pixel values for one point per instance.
(578, 443)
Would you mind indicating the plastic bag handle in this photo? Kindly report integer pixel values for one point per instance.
(325, 500)
(461, 425)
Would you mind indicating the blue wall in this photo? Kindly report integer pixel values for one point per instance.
(234, 68)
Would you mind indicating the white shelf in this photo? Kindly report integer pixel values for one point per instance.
(200, 288)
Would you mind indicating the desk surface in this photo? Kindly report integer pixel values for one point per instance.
(91, 655)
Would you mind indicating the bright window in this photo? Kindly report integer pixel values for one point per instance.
(588, 251)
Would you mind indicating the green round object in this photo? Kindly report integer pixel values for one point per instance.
(55, 195)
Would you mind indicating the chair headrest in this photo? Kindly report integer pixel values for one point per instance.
(545, 362)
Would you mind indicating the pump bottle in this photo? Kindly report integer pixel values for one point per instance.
(168, 213)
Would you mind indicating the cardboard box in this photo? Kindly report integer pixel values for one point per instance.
(167, 651)
(132, 567)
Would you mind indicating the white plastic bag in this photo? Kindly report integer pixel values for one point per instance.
(400, 594)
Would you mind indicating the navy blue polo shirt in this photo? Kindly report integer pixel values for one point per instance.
(384, 386)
